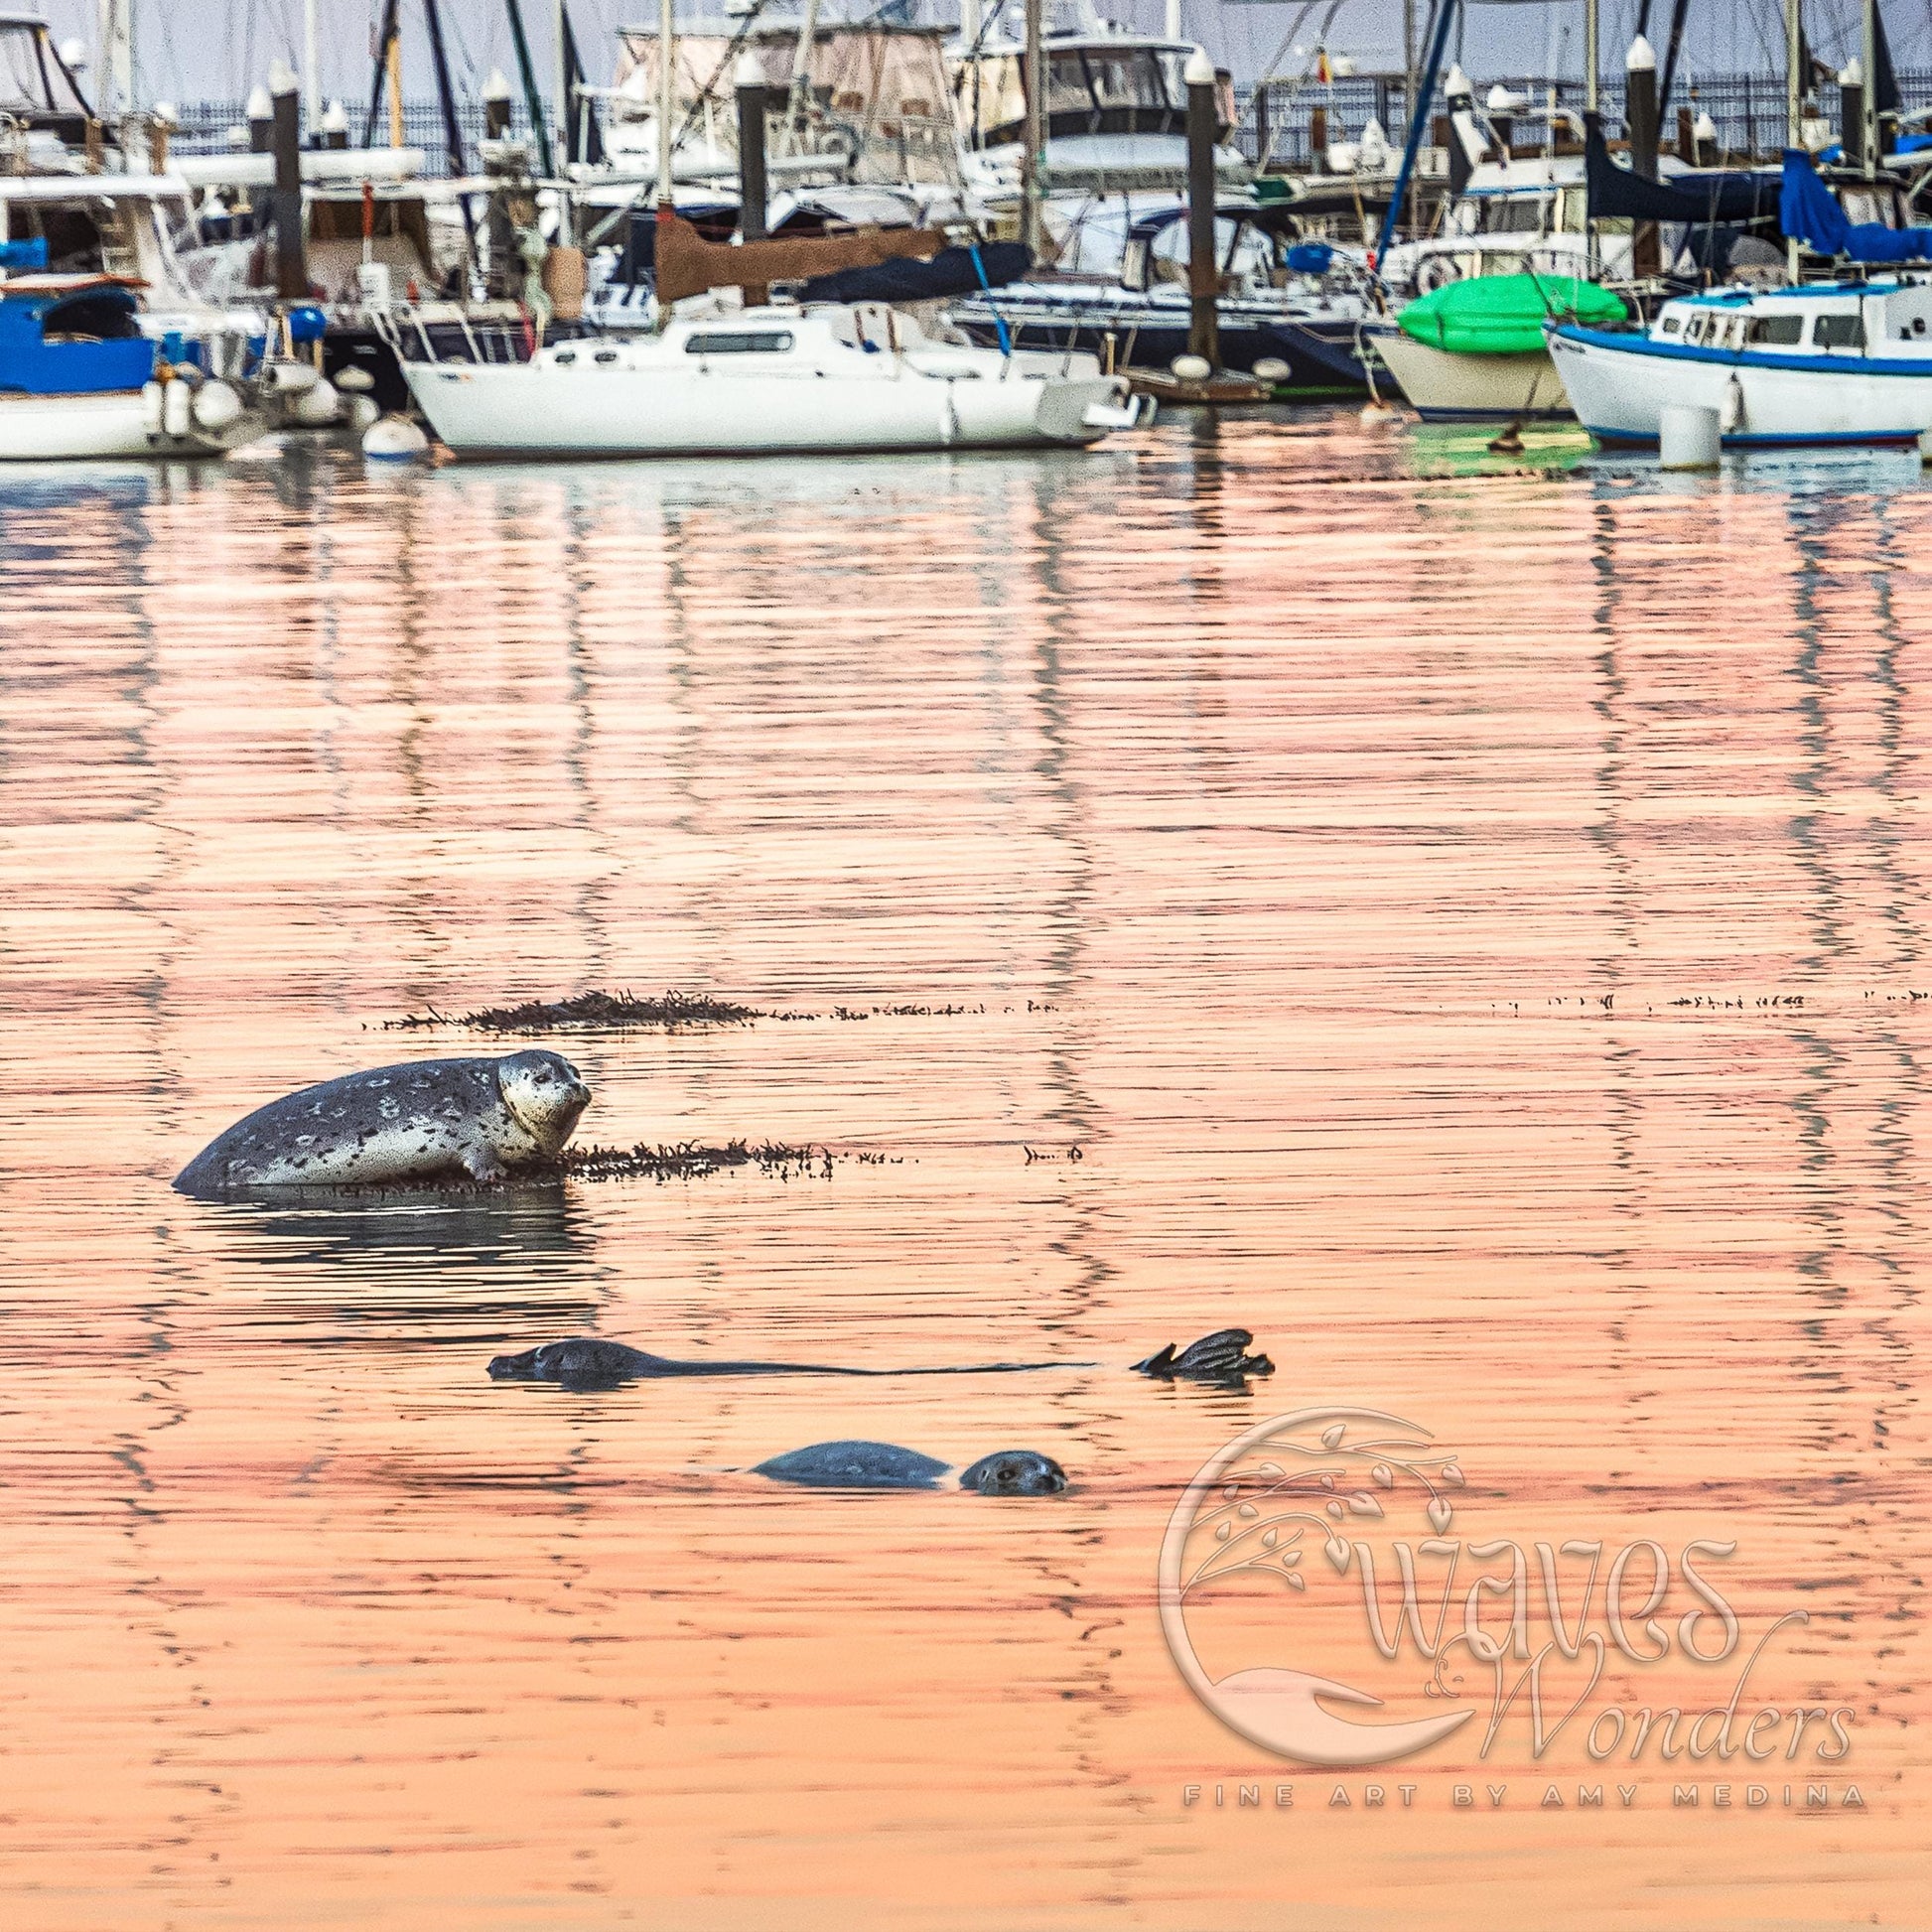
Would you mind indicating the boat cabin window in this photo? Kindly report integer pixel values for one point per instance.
(1693, 330)
(1091, 90)
(1572, 210)
(1125, 80)
(104, 316)
(82, 237)
(1837, 331)
(1866, 204)
(1243, 251)
(745, 342)
(1516, 214)
(1776, 332)
(1673, 325)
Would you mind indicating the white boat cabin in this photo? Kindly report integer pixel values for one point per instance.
(1889, 318)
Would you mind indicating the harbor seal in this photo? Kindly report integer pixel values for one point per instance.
(885, 1465)
(422, 1120)
(589, 1362)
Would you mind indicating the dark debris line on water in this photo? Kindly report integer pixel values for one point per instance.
(669, 1009)
(595, 1011)
(686, 1162)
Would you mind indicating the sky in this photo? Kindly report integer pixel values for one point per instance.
(189, 49)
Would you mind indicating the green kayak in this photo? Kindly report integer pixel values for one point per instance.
(1502, 315)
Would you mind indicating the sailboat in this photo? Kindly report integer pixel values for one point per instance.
(726, 372)
(1114, 221)
(1814, 363)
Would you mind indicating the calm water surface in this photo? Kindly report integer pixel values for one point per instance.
(1322, 836)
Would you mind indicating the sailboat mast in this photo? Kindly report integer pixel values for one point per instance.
(560, 100)
(1794, 35)
(1794, 85)
(1590, 56)
(532, 101)
(1868, 101)
(667, 104)
(1033, 81)
(117, 60)
(801, 74)
(311, 61)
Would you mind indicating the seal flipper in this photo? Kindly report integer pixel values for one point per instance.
(483, 1163)
(1219, 1357)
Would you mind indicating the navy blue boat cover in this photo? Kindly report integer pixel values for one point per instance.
(950, 272)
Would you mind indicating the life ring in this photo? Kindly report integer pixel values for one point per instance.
(1436, 271)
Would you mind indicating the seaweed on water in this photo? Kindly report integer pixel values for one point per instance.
(687, 1161)
(594, 1010)
(599, 1011)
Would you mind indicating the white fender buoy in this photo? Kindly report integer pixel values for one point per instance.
(151, 402)
(1191, 368)
(177, 409)
(216, 406)
(354, 381)
(317, 406)
(289, 378)
(1687, 438)
(1271, 369)
(1377, 414)
(394, 439)
(361, 411)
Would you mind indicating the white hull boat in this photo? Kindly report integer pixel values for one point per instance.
(1448, 386)
(769, 380)
(1831, 363)
(80, 380)
(42, 429)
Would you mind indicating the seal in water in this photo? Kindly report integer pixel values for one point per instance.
(423, 1120)
(586, 1362)
(885, 1465)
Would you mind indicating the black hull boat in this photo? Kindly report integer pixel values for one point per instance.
(1321, 352)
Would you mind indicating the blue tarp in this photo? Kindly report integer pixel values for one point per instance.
(97, 345)
(1808, 211)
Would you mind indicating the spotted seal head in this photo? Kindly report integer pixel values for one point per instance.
(1015, 1473)
(546, 1094)
(415, 1122)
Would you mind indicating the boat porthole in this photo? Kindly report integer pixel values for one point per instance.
(603, 356)
(565, 358)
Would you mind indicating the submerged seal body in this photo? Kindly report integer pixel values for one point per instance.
(885, 1465)
(421, 1120)
(590, 1362)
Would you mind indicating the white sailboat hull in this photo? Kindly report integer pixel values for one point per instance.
(1619, 386)
(1444, 386)
(688, 408)
(60, 428)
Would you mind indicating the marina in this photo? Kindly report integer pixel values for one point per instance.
(964, 973)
